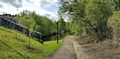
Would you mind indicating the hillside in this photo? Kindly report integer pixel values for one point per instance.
(12, 48)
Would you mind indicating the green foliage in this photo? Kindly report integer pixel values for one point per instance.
(97, 13)
(45, 26)
(74, 26)
(76, 11)
(36, 22)
(89, 16)
(115, 4)
(114, 24)
(61, 25)
(114, 21)
(68, 26)
(74, 8)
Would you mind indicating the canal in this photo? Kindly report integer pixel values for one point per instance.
(54, 37)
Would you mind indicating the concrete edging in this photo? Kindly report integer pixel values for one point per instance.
(76, 46)
(79, 51)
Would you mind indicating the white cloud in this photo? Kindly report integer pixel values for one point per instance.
(15, 3)
(1, 6)
(11, 6)
(44, 3)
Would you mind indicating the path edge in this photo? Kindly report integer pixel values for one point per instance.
(79, 51)
(76, 46)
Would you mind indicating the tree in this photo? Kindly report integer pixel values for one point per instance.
(45, 26)
(36, 22)
(27, 21)
(76, 10)
(97, 13)
(61, 25)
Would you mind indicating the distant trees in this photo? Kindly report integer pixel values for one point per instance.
(61, 25)
(36, 22)
(40, 23)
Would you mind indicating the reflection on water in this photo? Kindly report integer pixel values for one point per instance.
(54, 37)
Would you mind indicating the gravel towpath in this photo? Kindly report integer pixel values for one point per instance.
(66, 51)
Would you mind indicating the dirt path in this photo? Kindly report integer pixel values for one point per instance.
(66, 51)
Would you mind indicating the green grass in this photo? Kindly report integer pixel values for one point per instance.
(12, 48)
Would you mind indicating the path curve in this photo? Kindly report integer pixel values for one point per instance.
(66, 51)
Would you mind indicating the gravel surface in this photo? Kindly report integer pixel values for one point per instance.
(66, 51)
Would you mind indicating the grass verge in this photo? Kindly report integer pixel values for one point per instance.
(12, 48)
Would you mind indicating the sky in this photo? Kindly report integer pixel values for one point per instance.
(48, 8)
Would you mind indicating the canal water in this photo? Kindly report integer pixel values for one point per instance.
(54, 37)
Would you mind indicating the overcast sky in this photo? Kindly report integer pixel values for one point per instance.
(42, 7)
